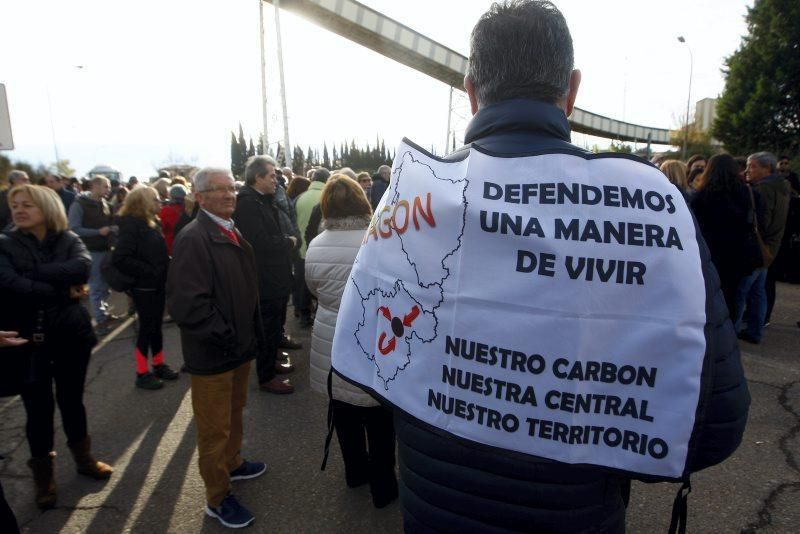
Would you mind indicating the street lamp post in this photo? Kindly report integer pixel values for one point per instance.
(688, 96)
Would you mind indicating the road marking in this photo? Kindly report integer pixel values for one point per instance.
(114, 333)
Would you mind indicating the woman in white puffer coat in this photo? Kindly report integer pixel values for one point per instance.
(359, 419)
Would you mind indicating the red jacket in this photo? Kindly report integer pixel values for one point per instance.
(170, 214)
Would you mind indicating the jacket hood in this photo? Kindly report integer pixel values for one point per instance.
(519, 115)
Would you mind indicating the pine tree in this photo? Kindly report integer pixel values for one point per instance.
(251, 151)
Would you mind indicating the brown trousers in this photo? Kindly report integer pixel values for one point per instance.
(218, 402)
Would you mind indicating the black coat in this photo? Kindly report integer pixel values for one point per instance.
(37, 277)
(726, 220)
(450, 485)
(141, 253)
(210, 294)
(257, 218)
(379, 186)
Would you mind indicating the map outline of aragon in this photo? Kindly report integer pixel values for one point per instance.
(426, 281)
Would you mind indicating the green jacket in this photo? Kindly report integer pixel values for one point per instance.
(304, 204)
(775, 193)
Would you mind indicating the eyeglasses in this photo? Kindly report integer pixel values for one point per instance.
(220, 189)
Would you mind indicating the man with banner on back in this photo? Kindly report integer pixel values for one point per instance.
(592, 348)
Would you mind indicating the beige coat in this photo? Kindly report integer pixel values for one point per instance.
(329, 259)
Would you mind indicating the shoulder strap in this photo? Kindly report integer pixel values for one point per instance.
(753, 206)
(680, 508)
(329, 437)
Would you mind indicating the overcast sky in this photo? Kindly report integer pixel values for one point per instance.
(140, 84)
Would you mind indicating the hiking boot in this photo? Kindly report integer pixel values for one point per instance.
(230, 513)
(43, 480)
(248, 470)
(148, 381)
(164, 372)
(86, 463)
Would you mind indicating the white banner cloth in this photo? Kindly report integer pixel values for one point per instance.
(551, 304)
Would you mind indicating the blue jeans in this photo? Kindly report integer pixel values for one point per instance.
(98, 289)
(752, 293)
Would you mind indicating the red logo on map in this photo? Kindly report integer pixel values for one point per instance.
(398, 328)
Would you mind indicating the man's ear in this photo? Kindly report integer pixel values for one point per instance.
(574, 83)
(469, 87)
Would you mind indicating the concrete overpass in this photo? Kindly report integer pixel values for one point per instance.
(367, 27)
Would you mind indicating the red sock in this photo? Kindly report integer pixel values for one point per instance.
(141, 362)
(158, 359)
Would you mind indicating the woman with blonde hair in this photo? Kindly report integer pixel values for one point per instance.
(141, 253)
(364, 428)
(43, 271)
(675, 171)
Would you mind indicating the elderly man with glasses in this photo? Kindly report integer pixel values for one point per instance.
(210, 295)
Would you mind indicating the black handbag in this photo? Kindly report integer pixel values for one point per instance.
(19, 363)
(17, 370)
(116, 279)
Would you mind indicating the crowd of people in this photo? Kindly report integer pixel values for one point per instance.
(68, 243)
(747, 212)
(192, 251)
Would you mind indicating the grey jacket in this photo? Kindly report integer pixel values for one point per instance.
(775, 193)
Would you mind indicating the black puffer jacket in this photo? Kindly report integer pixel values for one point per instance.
(448, 485)
(257, 217)
(141, 253)
(37, 276)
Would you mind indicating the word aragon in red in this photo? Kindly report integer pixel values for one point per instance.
(399, 216)
(398, 328)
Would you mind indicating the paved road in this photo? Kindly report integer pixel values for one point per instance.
(149, 438)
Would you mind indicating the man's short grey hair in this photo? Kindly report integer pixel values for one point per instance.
(347, 171)
(287, 171)
(521, 49)
(321, 175)
(16, 177)
(764, 159)
(201, 177)
(256, 166)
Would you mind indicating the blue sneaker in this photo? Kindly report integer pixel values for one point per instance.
(248, 470)
(230, 513)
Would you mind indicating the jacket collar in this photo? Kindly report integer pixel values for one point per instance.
(518, 115)
(316, 186)
(214, 230)
(249, 191)
(769, 179)
(347, 223)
